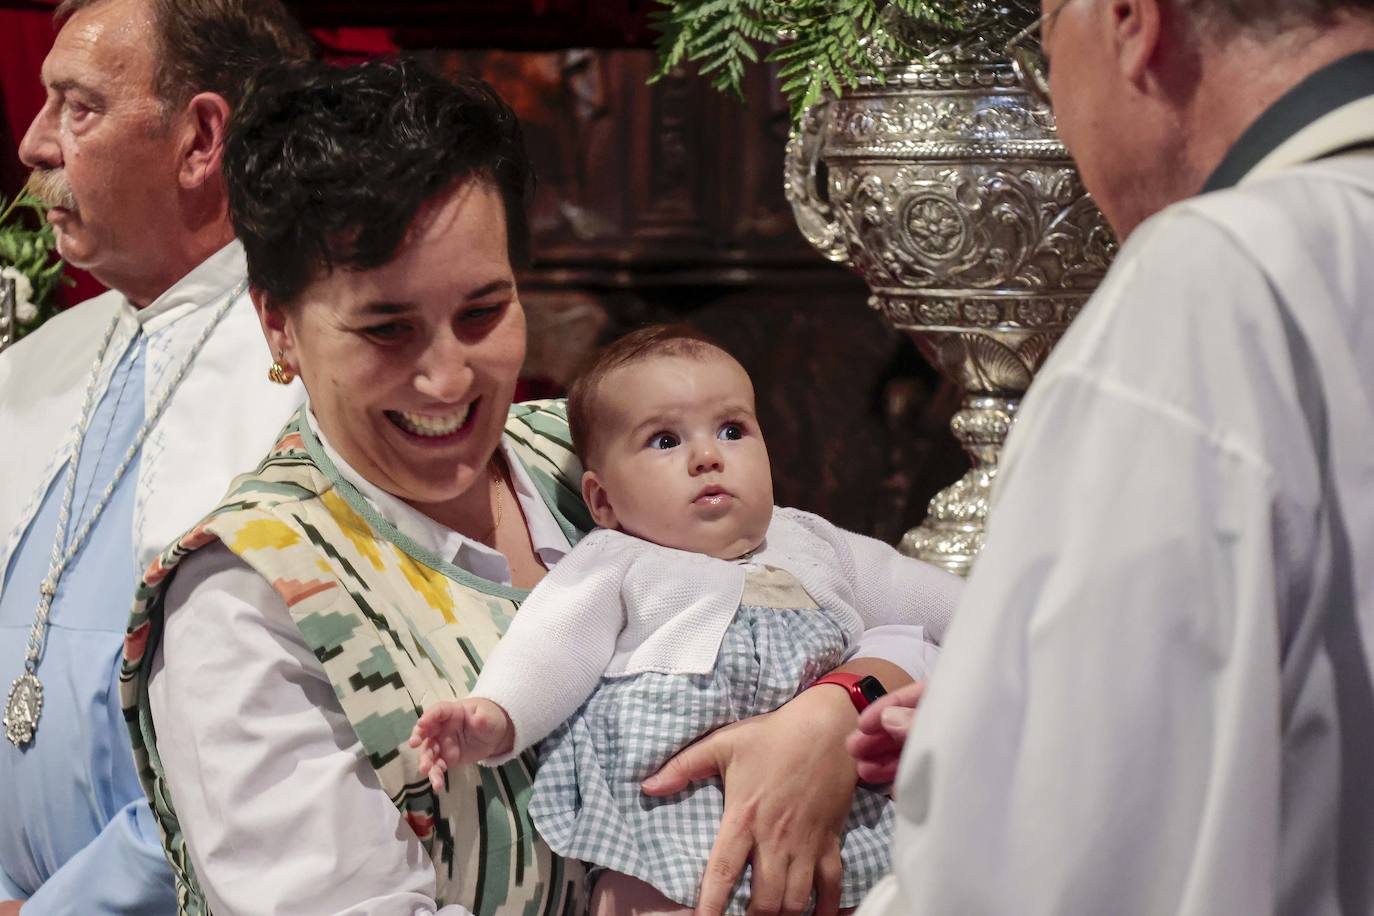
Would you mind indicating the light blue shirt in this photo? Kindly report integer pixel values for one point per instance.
(76, 834)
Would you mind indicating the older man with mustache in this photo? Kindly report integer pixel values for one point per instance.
(123, 418)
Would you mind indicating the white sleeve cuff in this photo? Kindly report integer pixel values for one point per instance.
(904, 646)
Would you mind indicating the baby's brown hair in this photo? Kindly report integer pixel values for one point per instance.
(654, 340)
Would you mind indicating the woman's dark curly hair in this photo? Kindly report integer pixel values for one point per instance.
(327, 166)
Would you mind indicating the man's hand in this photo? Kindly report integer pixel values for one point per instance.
(10, 907)
(788, 784)
(466, 731)
(876, 744)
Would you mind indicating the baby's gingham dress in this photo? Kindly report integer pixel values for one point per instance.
(587, 802)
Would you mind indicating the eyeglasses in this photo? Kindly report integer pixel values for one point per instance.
(1028, 58)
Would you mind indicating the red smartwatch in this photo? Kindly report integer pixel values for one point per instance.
(862, 689)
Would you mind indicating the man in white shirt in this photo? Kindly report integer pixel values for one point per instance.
(1157, 695)
(124, 419)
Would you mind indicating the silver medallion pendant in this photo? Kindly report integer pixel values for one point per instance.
(22, 710)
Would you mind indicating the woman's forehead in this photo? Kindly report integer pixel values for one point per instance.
(468, 220)
(455, 252)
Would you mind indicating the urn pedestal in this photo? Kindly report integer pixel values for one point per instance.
(947, 188)
(9, 312)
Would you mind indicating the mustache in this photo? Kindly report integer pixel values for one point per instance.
(52, 188)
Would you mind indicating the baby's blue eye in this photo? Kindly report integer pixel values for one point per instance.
(663, 440)
(730, 432)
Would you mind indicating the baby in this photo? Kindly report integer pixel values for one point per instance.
(695, 604)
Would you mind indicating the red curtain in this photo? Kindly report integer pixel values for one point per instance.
(28, 35)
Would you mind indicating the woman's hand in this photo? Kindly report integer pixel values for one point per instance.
(877, 743)
(788, 785)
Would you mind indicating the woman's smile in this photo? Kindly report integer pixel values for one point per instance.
(434, 426)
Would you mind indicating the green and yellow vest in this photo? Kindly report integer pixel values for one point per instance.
(395, 628)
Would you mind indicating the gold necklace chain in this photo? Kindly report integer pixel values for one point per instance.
(500, 501)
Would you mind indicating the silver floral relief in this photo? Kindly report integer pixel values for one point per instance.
(870, 121)
(9, 312)
(971, 54)
(1027, 229)
(985, 424)
(947, 188)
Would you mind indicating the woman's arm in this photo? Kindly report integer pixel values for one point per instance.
(281, 809)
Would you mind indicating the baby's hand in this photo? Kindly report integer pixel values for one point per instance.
(464, 731)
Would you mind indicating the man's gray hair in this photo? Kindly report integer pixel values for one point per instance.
(214, 45)
(1267, 16)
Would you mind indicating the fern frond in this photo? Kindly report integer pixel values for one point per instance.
(817, 45)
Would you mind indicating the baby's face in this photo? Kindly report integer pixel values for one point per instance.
(682, 462)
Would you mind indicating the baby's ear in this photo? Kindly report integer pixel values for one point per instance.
(598, 500)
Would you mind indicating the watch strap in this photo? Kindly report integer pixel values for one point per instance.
(862, 689)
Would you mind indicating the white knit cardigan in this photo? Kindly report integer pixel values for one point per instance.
(619, 606)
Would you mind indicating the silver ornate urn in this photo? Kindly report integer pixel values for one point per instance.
(947, 188)
(9, 312)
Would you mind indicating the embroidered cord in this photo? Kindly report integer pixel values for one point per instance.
(63, 553)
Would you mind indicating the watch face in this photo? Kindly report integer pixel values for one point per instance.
(871, 688)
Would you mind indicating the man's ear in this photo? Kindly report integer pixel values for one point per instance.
(598, 501)
(276, 327)
(1135, 27)
(207, 116)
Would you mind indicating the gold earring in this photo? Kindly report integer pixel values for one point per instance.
(279, 373)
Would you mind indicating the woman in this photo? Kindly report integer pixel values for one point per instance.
(281, 652)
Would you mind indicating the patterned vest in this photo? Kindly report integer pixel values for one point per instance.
(395, 628)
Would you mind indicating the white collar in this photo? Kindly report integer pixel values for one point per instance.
(546, 535)
(216, 276)
(1348, 125)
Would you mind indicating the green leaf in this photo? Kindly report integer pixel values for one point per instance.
(27, 244)
(829, 44)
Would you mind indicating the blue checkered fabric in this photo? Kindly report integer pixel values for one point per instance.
(587, 803)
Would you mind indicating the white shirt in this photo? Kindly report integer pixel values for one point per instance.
(76, 831)
(1155, 700)
(220, 420)
(280, 807)
(619, 606)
